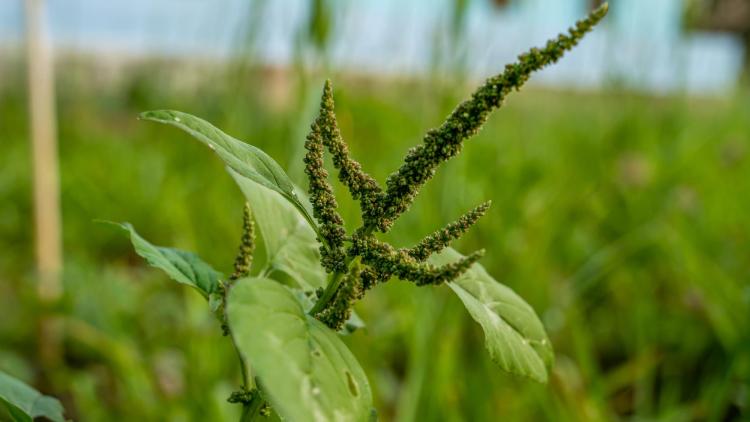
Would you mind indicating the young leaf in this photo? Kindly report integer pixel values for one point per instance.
(182, 267)
(245, 159)
(514, 336)
(289, 241)
(304, 369)
(21, 403)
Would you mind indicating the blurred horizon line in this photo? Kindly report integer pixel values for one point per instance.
(639, 46)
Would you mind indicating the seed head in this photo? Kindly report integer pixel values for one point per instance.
(442, 238)
(444, 142)
(361, 185)
(380, 209)
(244, 259)
(321, 194)
(384, 260)
(340, 308)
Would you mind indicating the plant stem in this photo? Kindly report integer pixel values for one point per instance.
(246, 379)
(333, 286)
(334, 281)
(251, 410)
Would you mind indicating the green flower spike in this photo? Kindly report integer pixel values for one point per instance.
(340, 308)
(385, 259)
(444, 142)
(244, 259)
(433, 243)
(380, 209)
(361, 185)
(442, 238)
(321, 194)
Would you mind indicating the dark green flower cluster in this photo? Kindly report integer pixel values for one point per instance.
(442, 238)
(384, 259)
(433, 243)
(244, 259)
(243, 395)
(246, 396)
(361, 185)
(444, 142)
(321, 193)
(340, 308)
(348, 281)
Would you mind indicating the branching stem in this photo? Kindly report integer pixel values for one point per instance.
(334, 281)
(250, 410)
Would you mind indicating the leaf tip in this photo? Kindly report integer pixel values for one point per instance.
(145, 115)
(161, 116)
(124, 225)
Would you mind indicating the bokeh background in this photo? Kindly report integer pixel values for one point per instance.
(620, 181)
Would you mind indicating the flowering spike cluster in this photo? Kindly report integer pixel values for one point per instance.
(321, 194)
(433, 243)
(444, 142)
(380, 209)
(340, 308)
(361, 185)
(244, 258)
(370, 277)
(442, 238)
(385, 259)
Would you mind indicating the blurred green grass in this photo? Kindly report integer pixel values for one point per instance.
(622, 219)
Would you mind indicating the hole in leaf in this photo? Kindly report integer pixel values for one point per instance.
(353, 388)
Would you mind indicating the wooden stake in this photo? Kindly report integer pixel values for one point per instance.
(44, 144)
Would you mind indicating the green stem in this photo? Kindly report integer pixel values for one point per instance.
(333, 286)
(246, 379)
(250, 411)
(334, 281)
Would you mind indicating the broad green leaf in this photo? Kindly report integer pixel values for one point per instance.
(183, 267)
(305, 370)
(514, 336)
(290, 243)
(22, 403)
(243, 158)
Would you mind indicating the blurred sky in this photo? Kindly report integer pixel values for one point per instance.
(641, 43)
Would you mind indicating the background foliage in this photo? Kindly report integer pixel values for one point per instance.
(622, 219)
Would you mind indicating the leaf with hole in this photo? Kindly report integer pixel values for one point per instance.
(304, 369)
(514, 335)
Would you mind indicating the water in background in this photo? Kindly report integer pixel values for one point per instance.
(641, 44)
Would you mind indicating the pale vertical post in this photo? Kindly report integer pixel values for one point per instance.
(47, 218)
